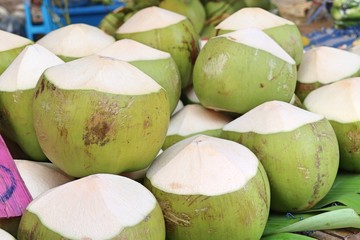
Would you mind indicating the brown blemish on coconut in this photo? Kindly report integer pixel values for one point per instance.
(173, 219)
(41, 87)
(354, 140)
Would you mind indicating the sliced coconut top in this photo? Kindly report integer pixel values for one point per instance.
(252, 17)
(150, 18)
(338, 101)
(25, 71)
(11, 41)
(257, 39)
(194, 118)
(203, 165)
(100, 206)
(76, 40)
(203, 42)
(102, 74)
(272, 117)
(179, 106)
(130, 50)
(327, 64)
(5, 235)
(40, 177)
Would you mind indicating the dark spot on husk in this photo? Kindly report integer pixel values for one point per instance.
(354, 139)
(41, 88)
(262, 85)
(96, 132)
(172, 219)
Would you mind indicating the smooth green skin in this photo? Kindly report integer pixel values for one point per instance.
(287, 36)
(16, 122)
(193, 9)
(151, 228)
(348, 135)
(85, 131)
(303, 89)
(237, 215)
(168, 77)
(301, 164)
(180, 40)
(240, 83)
(8, 56)
(172, 139)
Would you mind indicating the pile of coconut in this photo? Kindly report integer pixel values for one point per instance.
(147, 135)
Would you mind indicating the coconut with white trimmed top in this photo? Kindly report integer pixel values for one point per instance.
(210, 188)
(194, 119)
(297, 148)
(75, 41)
(10, 47)
(339, 102)
(101, 206)
(283, 31)
(237, 71)
(167, 31)
(159, 65)
(17, 87)
(38, 178)
(98, 115)
(324, 65)
(5, 235)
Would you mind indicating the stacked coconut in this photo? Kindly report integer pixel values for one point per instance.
(100, 108)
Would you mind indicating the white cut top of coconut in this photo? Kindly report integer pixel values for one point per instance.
(99, 206)
(203, 165)
(130, 50)
(150, 18)
(11, 41)
(24, 72)
(179, 106)
(272, 117)
(327, 64)
(76, 40)
(338, 101)
(257, 39)
(5, 235)
(252, 17)
(195, 118)
(40, 177)
(102, 74)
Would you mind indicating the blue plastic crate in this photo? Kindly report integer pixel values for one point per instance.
(89, 14)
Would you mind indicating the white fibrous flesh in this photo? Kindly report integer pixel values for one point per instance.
(203, 165)
(5, 235)
(338, 101)
(40, 177)
(25, 71)
(76, 40)
(95, 207)
(150, 18)
(327, 64)
(102, 74)
(252, 17)
(130, 50)
(257, 39)
(196, 118)
(272, 117)
(11, 41)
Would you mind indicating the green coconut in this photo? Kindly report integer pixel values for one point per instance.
(323, 65)
(167, 31)
(38, 178)
(159, 65)
(192, 9)
(17, 87)
(75, 41)
(10, 47)
(189, 96)
(100, 206)
(297, 148)
(192, 120)
(237, 71)
(283, 31)
(210, 188)
(340, 103)
(98, 115)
